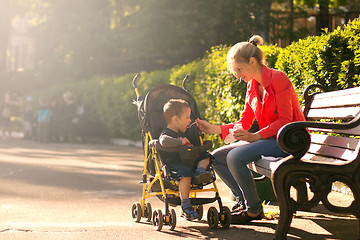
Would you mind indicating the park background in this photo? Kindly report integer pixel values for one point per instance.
(94, 48)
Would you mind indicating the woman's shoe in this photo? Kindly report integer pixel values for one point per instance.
(188, 212)
(238, 206)
(242, 217)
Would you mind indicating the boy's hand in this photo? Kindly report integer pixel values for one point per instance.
(185, 142)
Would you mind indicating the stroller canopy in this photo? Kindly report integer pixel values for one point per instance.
(150, 110)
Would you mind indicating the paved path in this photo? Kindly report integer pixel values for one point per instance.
(85, 191)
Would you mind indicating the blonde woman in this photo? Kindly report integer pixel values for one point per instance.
(272, 101)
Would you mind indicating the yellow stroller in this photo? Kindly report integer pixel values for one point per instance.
(157, 180)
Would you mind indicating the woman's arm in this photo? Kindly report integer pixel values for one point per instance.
(207, 127)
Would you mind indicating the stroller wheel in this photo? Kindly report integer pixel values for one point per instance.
(213, 217)
(200, 210)
(157, 220)
(172, 220)
(136, 212)
(148, 212)
(225, 217)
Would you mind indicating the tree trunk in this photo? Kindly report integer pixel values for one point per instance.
(322, 20)
(291, 21)
(5, 24)
(262, 17)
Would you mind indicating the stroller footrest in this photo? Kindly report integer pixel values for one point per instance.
(194, 201)
(144, 180)
(201, 201)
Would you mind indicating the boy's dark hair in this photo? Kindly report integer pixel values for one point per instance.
(174, 107)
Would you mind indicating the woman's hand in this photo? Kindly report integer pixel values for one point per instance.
(241, 134)
(207, 127)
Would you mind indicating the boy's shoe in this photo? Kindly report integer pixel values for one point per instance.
(202, 177)
(189, 213)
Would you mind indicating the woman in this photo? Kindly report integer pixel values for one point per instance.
(272, 100)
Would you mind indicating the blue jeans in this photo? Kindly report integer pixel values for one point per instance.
(230, 164)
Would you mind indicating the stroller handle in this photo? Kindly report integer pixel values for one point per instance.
(184, 82)
(136, 78)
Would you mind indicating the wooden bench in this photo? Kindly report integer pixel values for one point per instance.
(324, 150)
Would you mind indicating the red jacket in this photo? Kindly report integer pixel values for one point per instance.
(280, 105)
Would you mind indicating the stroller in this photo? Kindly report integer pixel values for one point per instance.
(157, 180)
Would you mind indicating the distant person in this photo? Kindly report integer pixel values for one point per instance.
(55, 120)
(29, 118)
(43, 121)
(68, 118)
(11, 104)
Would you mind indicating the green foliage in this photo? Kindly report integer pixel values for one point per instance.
(195, 71)
(114, 104)
(330, 59)
(352, 31)
(271, 54)
(219, 95)
(298, 64)
(75, 40)
(223, 90)
(108, 102)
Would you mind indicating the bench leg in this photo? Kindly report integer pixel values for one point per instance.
(358, 218)
(284, 223)
(302, 194)
(286, 212)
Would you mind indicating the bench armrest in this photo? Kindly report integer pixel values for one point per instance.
(294, 138)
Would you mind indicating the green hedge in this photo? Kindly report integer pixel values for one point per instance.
(108, 103)
(332, 60)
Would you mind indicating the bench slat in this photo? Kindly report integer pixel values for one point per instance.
(321, 159)
(333, 113)
(337, 101)
(342, 142)
(354, 131)
(345, 97)
(332, 152)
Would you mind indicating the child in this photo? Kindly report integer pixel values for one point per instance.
(177, 115)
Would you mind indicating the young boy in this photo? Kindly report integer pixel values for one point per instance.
(177, 115)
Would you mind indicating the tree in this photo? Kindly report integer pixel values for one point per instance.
(83, 38)
(259, 15)
(7, 12)
(74, 40)
(323, 6)
(79, 39)
(322, 20)
(162, 33)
